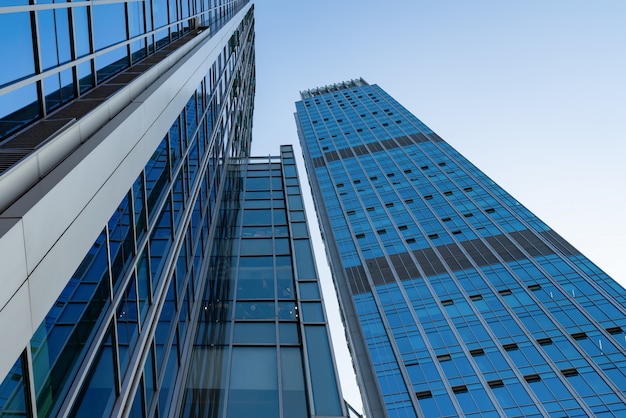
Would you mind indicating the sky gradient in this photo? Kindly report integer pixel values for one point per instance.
(533, 93)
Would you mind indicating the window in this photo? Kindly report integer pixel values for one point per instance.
(496, 383)
(569, 372)
(459, 389)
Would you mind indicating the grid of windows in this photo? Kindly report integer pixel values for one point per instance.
(262, 344)
(467, 303)
(132, 298)
(61, 50)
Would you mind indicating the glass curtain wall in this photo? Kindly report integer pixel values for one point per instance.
(60, 50)
(262, 347)
(115, 338)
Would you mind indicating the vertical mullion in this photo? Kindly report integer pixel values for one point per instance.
(37, 57)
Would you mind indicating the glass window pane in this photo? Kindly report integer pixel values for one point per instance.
(60, 342)
(292, 379)
(97, 395)
(121, 242)
(256, 277)
(323, 381)
(111, 63)
(284, 277)
(309, 290)
(257, 217)
(17, 28)
(109, 24)
(299, 230)
(54, 37)
(127, 324)
(253, 389)
(159, 13)
(288, 332)
(256, 246)
(81, 30)
(304, 259)
(312, 312)
(85, 76)
(18, 107)
(255, 310)
(255, 333)
(135, 18)
(13, 392)
(287, 310)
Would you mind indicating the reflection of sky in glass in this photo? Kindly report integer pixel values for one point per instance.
(159, 13)
(109, 24)
(54, 37)
(16, 27)
(81, 30)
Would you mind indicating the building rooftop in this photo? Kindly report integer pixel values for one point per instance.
(357, 82)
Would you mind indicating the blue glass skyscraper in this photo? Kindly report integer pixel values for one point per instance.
(457, 300)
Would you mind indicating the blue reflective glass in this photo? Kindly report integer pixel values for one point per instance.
(149, 377)
(108, 24)
(157, 176)
(323, 380)
(292, 380)
(98, 392)
(13, 392)
(312, 312)
(137, 408)
(160, 241)
(81, 31)
(139, 208)
(255, 310)
(60, 342)
(121, 240)
(256, 247)
(255, 333)
(111, 63)
(253, 388)
(18, 107)
(135, 18)
(143, 284)
(256, 277)
(288, 333)
(85, 76)
(17, 28)
(169, 379)
(54, 37)
(127, 324)
(284, 277)
(287, 310)
(159, 13)
(304, 259)
(58, 89)
(309, 290)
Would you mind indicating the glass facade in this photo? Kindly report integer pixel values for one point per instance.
(458, 301)
(116, 340)
(60, 50)
(261, 348)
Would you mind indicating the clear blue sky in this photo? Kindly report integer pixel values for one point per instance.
(532, 92)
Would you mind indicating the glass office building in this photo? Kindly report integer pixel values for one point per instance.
(457, 300)
(262, 346)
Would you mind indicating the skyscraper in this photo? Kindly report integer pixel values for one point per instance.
(457, 300)
(125, 130)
